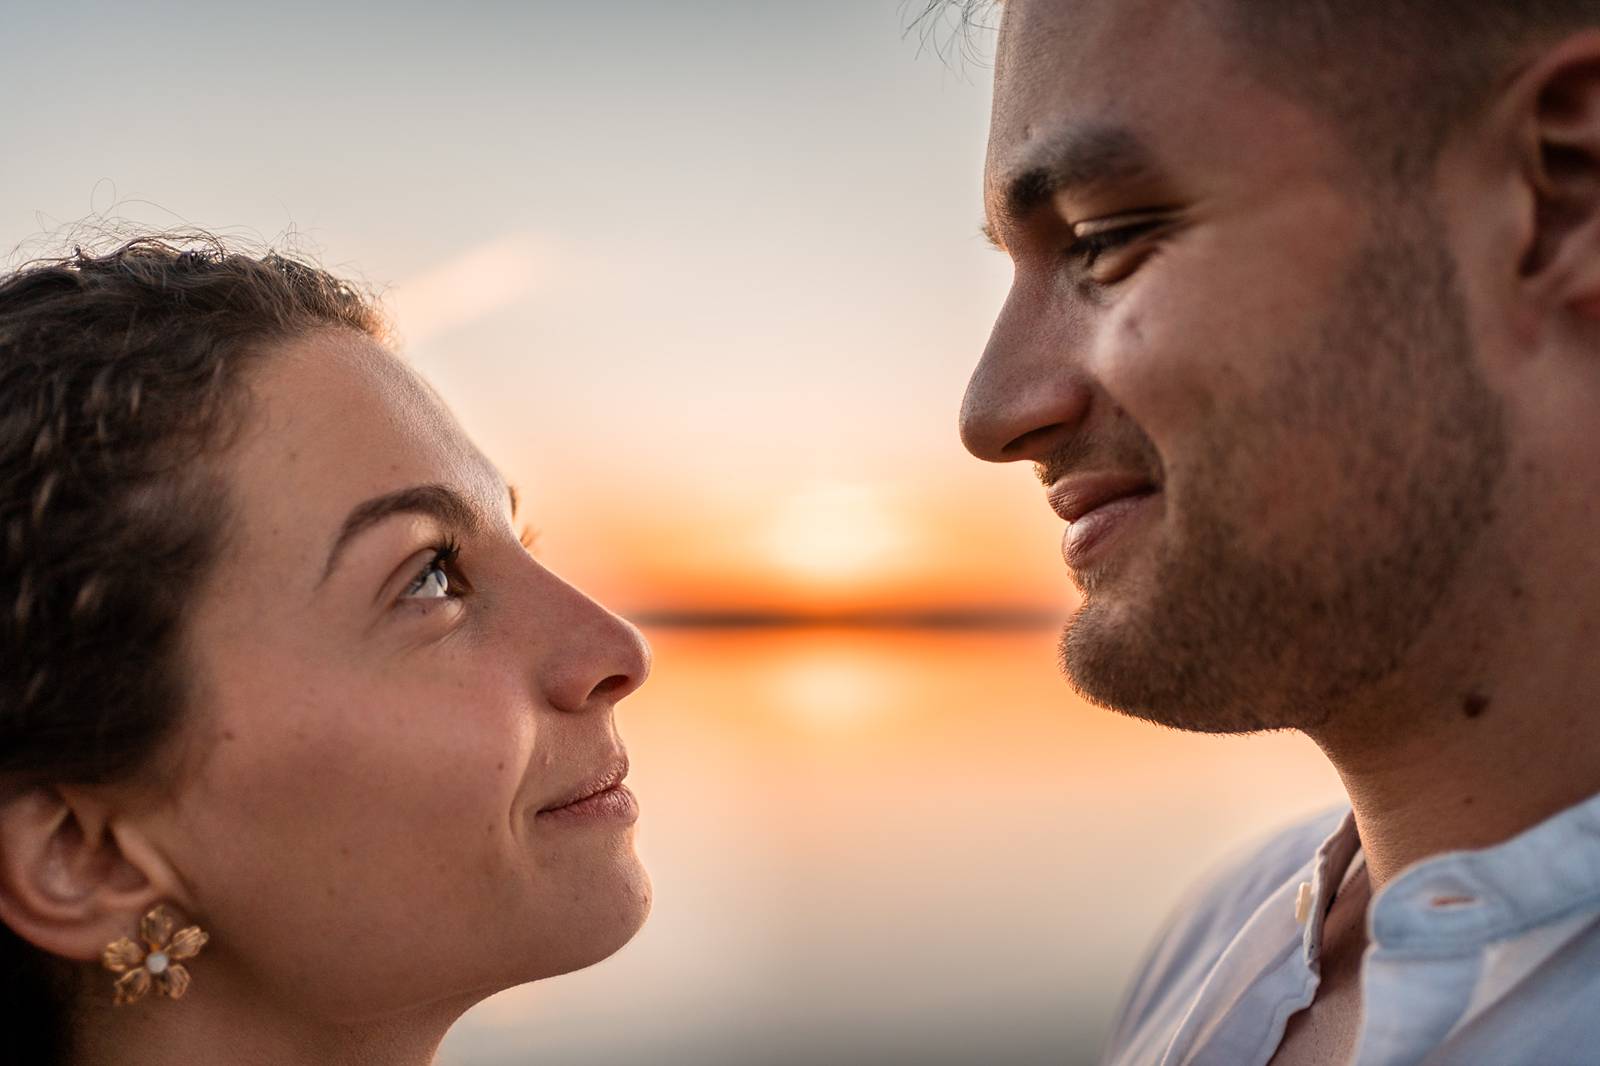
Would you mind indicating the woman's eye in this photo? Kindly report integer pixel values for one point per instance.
(434, 582)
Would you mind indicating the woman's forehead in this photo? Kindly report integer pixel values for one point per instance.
(335, 419)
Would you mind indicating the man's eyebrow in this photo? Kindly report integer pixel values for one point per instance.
(1081, 157)
(438, 501)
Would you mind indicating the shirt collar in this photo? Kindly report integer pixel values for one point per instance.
(1327, 872)
(1461, 900)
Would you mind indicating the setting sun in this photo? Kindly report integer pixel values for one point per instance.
(835, 532)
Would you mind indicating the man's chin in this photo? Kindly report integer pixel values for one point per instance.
(1115, 661)
(1098, 658)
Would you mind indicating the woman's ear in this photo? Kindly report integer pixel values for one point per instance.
(1561, 163)
(73, 878)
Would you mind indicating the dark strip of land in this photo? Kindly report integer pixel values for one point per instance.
(935, 619)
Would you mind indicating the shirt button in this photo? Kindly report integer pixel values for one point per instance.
(1302, 903)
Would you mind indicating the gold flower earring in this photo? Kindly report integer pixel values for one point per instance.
(155, 963)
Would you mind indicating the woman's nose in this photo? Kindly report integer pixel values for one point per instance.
(630, 667)
(599, 659)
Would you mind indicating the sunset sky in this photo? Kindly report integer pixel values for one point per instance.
(704, 278)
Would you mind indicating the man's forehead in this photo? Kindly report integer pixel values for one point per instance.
(1041, 35)
(1067, 69)
(1090, 91)
(1114, 45)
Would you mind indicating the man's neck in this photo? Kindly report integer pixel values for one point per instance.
(1500, 734)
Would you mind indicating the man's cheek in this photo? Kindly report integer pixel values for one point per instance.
(1158, 358)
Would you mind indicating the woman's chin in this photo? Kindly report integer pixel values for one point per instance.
(632, 907)
(609, 921)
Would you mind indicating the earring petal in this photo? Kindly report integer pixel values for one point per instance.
(122, 956)
(156, 928)
(132, 986)
(187, 942)
(174, 982)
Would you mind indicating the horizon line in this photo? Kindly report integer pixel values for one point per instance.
(942, 618)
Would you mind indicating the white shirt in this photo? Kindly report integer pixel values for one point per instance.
(1486, 957)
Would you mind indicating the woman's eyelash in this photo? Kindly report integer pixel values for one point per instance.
(446, 553)
(444, 559)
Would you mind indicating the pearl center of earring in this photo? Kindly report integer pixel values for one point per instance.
(156, 963)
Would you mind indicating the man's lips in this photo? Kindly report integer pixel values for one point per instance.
(1077, 495)
(605, 781)
(1095, 507)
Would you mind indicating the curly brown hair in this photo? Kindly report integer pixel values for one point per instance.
(119, 374)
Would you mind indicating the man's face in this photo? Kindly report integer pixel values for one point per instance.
(1243, 372)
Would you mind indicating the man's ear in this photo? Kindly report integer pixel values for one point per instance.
(73, 877)
(1561, 163)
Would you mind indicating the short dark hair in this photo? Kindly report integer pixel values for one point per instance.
(119, 374)
(1398, 77)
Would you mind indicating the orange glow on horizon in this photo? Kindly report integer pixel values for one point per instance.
(823, 549)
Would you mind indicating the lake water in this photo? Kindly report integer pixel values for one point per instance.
(885, 847)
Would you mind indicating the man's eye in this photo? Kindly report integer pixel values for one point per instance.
(1089, 242)
(435, 581)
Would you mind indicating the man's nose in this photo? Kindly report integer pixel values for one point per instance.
(1028, 395)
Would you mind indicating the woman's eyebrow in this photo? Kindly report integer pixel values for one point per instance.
(438, 501)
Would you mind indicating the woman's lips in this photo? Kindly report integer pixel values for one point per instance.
(604, 798)
(614, 804)
(1094, 528)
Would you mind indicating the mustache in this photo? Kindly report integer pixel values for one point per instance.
(1132, 452)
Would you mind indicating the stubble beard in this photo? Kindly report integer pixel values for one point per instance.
(1239, 630)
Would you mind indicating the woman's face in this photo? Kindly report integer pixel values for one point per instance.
(380, 736)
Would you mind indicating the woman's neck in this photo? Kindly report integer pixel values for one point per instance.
(223, 1030)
